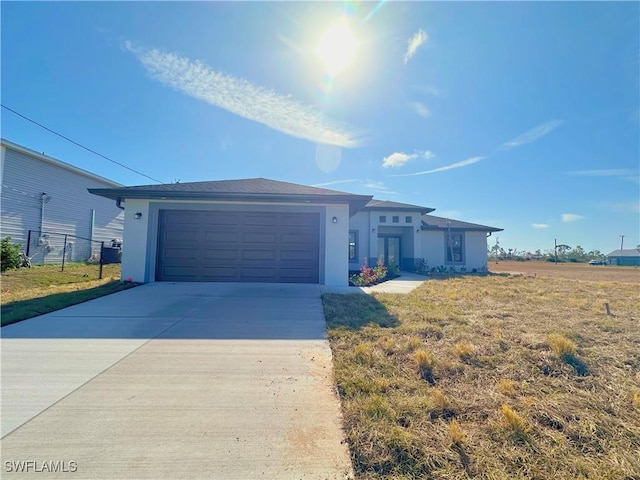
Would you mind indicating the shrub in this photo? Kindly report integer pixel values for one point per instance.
(393, 270)
(10, 254)
(369, 275)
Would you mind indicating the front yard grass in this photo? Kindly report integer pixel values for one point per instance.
(28, 292)
(490, 377)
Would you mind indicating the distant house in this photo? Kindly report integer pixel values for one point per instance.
(627, 257)
(50, 198)
(261, 230)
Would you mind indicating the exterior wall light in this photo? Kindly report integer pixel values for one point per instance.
(334, 219)
(137, 215)
(373, 230)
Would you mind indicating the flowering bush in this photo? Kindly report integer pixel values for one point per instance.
(369, 275)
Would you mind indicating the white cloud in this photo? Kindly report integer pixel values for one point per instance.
(416, 41)
(369, 186)
(245, 99)
(570, 217)
(397, 159)
(463, 163)
(379, 188)
(533, 134)
(335, 182)
(421, 110)
(539, 226)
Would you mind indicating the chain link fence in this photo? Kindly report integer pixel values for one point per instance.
(45, 248)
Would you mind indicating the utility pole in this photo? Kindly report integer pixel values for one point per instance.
(622, 241)
(555, 249)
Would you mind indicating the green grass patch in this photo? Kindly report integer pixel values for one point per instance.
(30, 292)
(469, 378)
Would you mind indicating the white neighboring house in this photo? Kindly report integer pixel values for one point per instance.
(261, 230)
(42, 194)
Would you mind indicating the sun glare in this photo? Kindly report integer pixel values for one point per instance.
(337, 47)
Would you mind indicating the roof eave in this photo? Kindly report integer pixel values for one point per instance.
(467, 229)
(356, 202)
(422, 210)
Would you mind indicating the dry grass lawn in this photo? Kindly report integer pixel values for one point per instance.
(570, 271)
(495, 377)
(28, 292)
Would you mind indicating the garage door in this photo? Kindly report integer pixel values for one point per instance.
(211, 246)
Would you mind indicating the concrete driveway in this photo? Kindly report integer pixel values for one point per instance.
(166, 380)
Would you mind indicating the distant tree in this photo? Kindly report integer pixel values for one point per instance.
(562, 250)
(578, 255)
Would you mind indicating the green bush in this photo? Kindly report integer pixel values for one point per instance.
(10, 254)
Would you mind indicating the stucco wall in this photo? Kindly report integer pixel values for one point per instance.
(336, 251)
(432, 242)
(134, 242)
(476, 250)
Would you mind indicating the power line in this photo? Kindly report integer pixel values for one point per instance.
(80, 145)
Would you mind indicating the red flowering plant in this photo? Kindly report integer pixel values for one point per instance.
(368, 275)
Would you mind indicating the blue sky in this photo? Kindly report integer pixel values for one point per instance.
(523, 116)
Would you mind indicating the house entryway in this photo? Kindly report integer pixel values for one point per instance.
(389, 249)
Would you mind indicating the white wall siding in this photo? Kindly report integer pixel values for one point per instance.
(475, 250)
(67, 211)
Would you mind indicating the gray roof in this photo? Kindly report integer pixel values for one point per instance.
(396, 206)
(250, 189)
(429, 222)
(630, 252)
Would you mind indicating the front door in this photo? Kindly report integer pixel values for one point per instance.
(389, 250)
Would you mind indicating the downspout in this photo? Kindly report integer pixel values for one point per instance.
(119, 203)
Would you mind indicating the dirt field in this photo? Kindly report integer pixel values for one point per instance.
(572, 271)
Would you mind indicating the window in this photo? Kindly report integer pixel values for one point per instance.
(353, 245)
(407, 219)
(395, 219)
(454, 248)
(383, 219)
